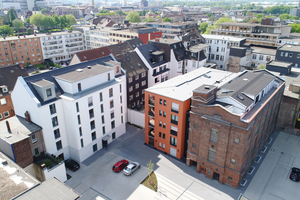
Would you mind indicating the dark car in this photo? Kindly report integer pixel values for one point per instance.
(295, 174)
(72, 165)
(120, 165)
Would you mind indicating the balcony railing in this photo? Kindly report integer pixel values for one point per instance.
(151, 133)
(151, 113)
(174, 110)
(151, 123)
(151, 102)
(174, 122)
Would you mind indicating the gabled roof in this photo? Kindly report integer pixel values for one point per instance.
(147, 50)
(92, 54)
(49, 76)
(132, 63)
(9, 76)
(168, 44)
(129, 45)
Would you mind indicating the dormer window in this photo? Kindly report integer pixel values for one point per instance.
(49, 92)
(160, 58)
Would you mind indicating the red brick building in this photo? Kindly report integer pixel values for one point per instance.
(229, 124)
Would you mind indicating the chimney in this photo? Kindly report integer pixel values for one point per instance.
(27, 116)
(18, 36)
(21, 65)
(8, 127)
(24, 35)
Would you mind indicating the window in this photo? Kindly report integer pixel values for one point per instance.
(130, 88)
(164, 146)
(174, 130)
(211, 155)
(1, 117)
(52, 109)
(286, 54)
(95, 148)
(137, 94)
(217, 49)
(129, 80)
(58, 145)
(90, 101)
(121, 109)
(164, 125)
(81, 142)
(49, 92)
(160, 101)
(80, 131)
(261, 57)
(77, 107)
(111, 103)
(298, 56)
(103, 129)
(130, 97)
(143, 83)
(159, 144)
(160, 124)
(254, 56)
(174, 119)
(122, 119)
(112, 115)
(143, 74)
(165, 102)
(291, 55)
(92, 125)
(112, 124)
(101, 98)
(173, 141)
(79, 87)
(281, 54)
(33, 138)
(6, 114)
(108, 76)
(165, 114)
(120, 88)
(56, 133)
(101, 108)
(212, 56)
(137, 86)
(91, 113)
(54, 121)
(214, 135)
(120, 99)
(78, 119)
(102, 119)
(110, 92)
(164, 136)
(159, 134)
(3, 101)
(136, 77)
(113, 135)
(93, 134)
(229, 178)
(36, 152)
(175, 107)
(217, 57)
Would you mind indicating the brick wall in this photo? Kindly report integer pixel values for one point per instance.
(7, 107)
(22, 152)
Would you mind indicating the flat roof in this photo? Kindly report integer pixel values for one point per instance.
(181, 87)
(37, 36)
(292, 77)
(197, 47)
(43, 83)
(20, 129)
(166, 41)
(280, 63)
(262, 50)
(84, 73)
(221, 37)
(289, 47)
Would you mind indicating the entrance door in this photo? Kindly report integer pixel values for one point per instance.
(173, 151)
(216, 176)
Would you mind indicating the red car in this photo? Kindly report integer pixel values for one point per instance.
(120, 165)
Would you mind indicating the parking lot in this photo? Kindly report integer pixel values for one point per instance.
(271, 181)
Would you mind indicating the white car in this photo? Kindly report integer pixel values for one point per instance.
(132, 167)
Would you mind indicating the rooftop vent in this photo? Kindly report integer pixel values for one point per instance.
(207, 75)
(289, 46)
(207, 87)
(245, 79)
(89, 67)
(240, 97)
(79, 70)
(4, 162)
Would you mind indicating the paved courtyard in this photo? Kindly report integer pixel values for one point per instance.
(271, 181)
(95, 179)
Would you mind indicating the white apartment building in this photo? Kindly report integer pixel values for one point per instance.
(95, 38)
(61, 46)
(156, 62)
(261, 56)
(81, 108)
(219, 48)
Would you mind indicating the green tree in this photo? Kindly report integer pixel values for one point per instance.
(56, 21)
(203, 27)
(63, 21)
(150, 19)
(295, 28)
(150, 167)
(29, 31)
(6, 29)
(11, 16)
(133, 16)
(17, 24)
(221, 20)
(209, 14)
(120, 12)
(27, 20)
(43, 11)
(47, 22)
(71, 19)
(71, 28)
(211, 18)
(167, 19)
(37, 20)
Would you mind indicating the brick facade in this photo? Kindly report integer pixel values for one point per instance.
(8, 107)
(238, 141)
(22, 152)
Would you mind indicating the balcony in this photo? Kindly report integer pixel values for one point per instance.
(151, 123)
(174, 122)
(151, 102)
(151, 113)
(151, 133)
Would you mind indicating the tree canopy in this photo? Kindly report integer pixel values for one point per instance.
(46, 22)
(11, 16)
(167, 19)
(281, 9)
(6, 29)
(150, 19)
(295, 28)
(17, 24)
(203, 27)
(221, 20)
(133, 16)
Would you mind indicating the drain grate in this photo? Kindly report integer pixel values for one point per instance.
(269, 140)
(257, 159)
(264, 149)
(251, 170)
(243, 182)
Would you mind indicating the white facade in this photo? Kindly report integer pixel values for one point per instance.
(191, 65)
(96, 38)
(79, 113)
(61, 46)
(258, 59)
(123, 2)
(219, 48)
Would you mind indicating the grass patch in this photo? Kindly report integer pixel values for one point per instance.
(40, 66)
(36, 72)
(151, 181)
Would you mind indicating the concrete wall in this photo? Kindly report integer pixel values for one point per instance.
(136, 117)
(59, 171)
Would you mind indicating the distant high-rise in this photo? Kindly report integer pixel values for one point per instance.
(144, 3)
(93, 2)
(123, 2)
